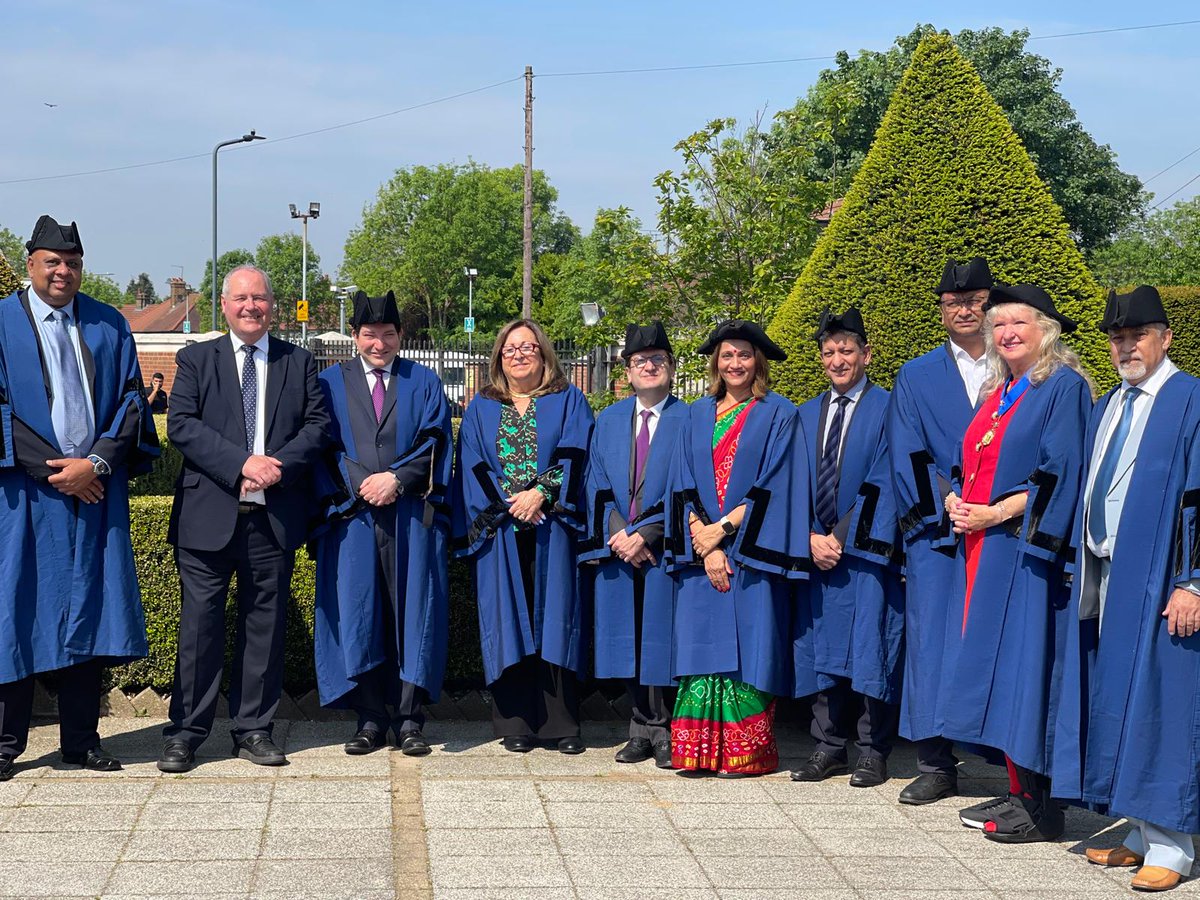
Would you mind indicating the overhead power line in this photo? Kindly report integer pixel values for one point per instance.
(1186, 156)
(1182, 187)
(1046, 37)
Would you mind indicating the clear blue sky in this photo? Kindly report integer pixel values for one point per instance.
(143, 81)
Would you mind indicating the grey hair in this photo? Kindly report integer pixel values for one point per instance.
(247, 267)
(1053, 354)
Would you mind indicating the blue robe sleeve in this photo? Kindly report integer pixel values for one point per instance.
(600, 507)
(479, 507)
(570, 457)
(1054, 485)
(682, 499)
(774, 536)
(424, 470)
(874, 534)
(1187, 524)
(129, 439)
(8, 456)
(914, 470)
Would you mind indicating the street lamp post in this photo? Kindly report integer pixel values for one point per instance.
(343, 292)
(314, 212)
(244, 139)
(592, 313)
(471, 273)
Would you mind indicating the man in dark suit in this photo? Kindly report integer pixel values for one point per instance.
(248, 417)
(73, 428)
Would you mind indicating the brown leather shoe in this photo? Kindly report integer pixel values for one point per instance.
(1155, 878)
(1116, 856)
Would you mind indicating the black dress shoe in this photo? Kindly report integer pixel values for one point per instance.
(95, 758)
(260, 750)
(929, 788)
(1026, 822)
(662, 755)
(8, 768)
(571, 746)
(517, 743)
(636, 751)
(176, 756)
(413, 743)
(820, 765)
(869, 771)
(365, 740)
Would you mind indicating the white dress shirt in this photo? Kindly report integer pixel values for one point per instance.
(652, 423)
(972, 371)
(853, 395)
(260, 412)
(370, 373)
(43, 315)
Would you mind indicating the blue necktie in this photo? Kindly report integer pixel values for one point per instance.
(1097, 527)
(249, 394)
(827, 470)
(71, 389)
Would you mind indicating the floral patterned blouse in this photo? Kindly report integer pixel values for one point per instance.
(517, 448)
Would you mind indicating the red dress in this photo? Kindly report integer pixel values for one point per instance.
(979, 469)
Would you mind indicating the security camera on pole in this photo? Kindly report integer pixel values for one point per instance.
(314, 212)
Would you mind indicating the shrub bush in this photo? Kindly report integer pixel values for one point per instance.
(9, 281)
(945, 178)
(1182, 303)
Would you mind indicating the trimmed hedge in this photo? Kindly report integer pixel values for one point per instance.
(9, 281)
(945, 178)
(1182, 303)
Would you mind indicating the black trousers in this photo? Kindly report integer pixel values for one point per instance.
(534, 697)
(875, 722)
(935, 756)
(264, 575)
(78, 710)
(652, 704)
(383, 686)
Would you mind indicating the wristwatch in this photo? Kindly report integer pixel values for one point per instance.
(99, 466)
(727, 526)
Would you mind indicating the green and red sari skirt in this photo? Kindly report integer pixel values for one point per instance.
(723, 725)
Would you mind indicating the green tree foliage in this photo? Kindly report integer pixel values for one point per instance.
(840, 114)
(12, 248)
(946, 177)
(140, 291)
(9, 281)
(226, 262)
(102, 288)
(1162, 249)
(281, 257)
(428, 223)
(736, 221)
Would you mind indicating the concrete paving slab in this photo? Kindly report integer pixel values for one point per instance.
(305, 843)
(742, 842)
(869, 875)
(571, 814)
(547, 871)
(202, 816)
(730, 873)
(596, 790)
(517, 814)
(835, 790)
(375, 765)
(14, 792)
(331, 790)
(811, 816)
(686, 816)
(192, 790)
(75, 846)
(323, 877)
(480, 791)
(617, 845)
(1041, 876)
(492, 842)
(681, 872)
(216, 877)
(71, 793)
(330, 817)
(739, 893)
(82, 818)
(47, 878)
(509, 765)
(867, 842)
(192, 845)
(710, 790)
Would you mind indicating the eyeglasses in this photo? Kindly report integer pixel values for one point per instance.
(658, 360)
(969, 305)
(528, 349)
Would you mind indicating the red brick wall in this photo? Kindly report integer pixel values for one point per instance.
(156, 361)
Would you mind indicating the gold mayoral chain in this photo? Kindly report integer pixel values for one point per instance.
(1008, 400)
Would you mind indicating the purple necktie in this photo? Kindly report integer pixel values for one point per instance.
(377, 394)
(641, 449)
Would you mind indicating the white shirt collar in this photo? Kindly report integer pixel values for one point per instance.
(657, 408)
(368, 368)
(963, 356)
(853, 394)
(261, 344)
(1157, 379)
(41, 309)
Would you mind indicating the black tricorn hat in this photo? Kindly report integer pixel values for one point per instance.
(851, 320)
(375, 310)
(970, 276)
(738, 330)
(645, 337)
(1030, 295)
(49, 235)
(1141, 306)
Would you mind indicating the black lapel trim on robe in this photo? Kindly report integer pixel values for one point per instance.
(760, 498)
(595, 538)
(572, 488)
(1187, 558)
(487, 521)
(679, 524)
(924, 507)
(1045, 482)
(23, 296)
(862, 535)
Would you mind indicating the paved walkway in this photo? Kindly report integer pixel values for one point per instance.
(472, 821)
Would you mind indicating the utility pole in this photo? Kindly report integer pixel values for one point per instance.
(527, 269)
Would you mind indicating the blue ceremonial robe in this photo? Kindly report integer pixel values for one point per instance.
(744, 633)
(483, 531)
(850, 620)
(609, 470)
(1126, 736)
(348, 638)
(69, 590)
(930, 410)
(1003, 663)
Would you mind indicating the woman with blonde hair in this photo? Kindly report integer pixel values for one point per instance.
(1019, 480)
(517, 512)
(737, 539)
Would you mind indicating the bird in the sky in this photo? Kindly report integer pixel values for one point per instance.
(51, 105)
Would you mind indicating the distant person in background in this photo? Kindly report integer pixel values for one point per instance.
(382, 601)
(157, 395)
(518, 514)
(73, 428)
